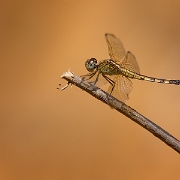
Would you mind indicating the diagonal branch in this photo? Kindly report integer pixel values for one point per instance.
(122, 108)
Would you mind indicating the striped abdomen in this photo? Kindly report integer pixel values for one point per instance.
(134, 75)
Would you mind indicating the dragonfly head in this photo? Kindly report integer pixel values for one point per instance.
(91, 64)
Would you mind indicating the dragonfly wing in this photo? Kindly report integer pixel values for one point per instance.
(130, 63)
(122, 89)
(115, 47)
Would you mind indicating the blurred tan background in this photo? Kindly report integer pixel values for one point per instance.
(69, 135)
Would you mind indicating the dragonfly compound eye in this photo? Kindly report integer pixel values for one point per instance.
(91, 64)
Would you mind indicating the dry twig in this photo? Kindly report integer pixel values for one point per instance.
(122, 108)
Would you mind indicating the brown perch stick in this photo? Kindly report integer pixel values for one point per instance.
(122, 108)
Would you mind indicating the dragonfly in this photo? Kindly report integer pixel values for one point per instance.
(118, 70)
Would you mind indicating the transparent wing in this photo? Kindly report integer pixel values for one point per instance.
(115, 47)
(99, 78)
(122, 89)
(130, 63)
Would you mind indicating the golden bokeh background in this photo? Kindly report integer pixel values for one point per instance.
(50, 134)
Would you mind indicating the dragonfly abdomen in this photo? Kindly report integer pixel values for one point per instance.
(157, 80)
(151, 79)
(133, 75)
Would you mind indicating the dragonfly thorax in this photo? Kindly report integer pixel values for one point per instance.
(91, 64)
(109, 67)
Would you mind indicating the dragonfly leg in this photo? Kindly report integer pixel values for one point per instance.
(89, 76)
(96, 78)
(110, 81)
